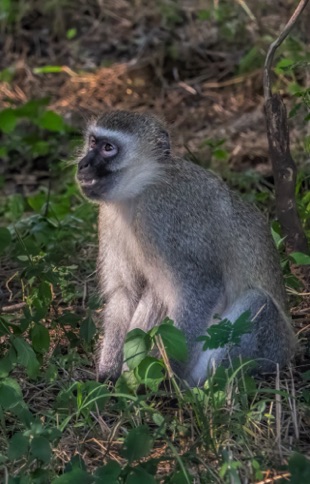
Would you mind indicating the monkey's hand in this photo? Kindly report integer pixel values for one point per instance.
(109, 370)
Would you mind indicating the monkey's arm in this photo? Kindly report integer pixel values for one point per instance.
(149, 312)
(117, 314)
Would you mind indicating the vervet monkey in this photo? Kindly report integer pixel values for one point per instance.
(175, 241)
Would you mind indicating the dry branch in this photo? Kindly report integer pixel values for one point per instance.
(283, 165)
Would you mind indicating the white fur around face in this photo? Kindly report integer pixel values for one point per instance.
(137, 169)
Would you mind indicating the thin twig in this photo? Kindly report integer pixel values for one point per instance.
(273, 47)
(13, 307)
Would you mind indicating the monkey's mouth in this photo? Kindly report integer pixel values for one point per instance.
(88, 183)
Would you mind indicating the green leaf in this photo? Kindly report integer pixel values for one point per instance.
(180, 478)
(150, 372)
(136, 347)
(225, 332)
(251, 60)
(284, 65)
(71, 33)
(51, 121)
(220, 154)
(127, 383)
(76, 476)
(45, 294)
(32, 109)
(15, 207)
(69, 318)
(300, 258)
(18, 446)
(37, 201)
(204, 14)
(5, 238)
(10, 393)
(139, 476)
(299, 467)
(47, 69)
(40, 449)
(137, 444)
(108, 473)
(76, 462)
(26, 356)
(7, 362)
(7, 75)
(88, 329)
(40, 338)
(174, 341)
(8, 120)
(95, 395)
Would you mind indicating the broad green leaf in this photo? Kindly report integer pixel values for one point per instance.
(76, 476)
(284, 65)
(174, 341)
(300, 258)
(45, 293)
(32, 109)
(108, 473)
(8, 120)
(137, 444)
(127, 383)
(179, 478)
(18, 446)
(40, 449)
(5, 238)
(140, 476)
(137, 345)
(88, 329)
(26, 356)
(51, 121)
(150, 372)
(16, 207)
(7, 362)
(37, 201)
(76, 462)
(5, 326)
(40, 338)
(299, 467)
(10, 393)
(69, 318)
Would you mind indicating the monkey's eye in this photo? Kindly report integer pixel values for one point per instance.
(108, 149)
(92, 141)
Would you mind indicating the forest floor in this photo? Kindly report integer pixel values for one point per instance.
(199, 70)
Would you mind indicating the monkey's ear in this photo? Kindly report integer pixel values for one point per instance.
(163, 141)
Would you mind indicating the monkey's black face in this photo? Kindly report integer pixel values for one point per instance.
(98, 170)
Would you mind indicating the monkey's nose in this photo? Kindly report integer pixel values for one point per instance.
(83, 164)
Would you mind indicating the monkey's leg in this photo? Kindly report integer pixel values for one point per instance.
(117, 315)
(270, 342)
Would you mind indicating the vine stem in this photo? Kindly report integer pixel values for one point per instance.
(273, 47)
